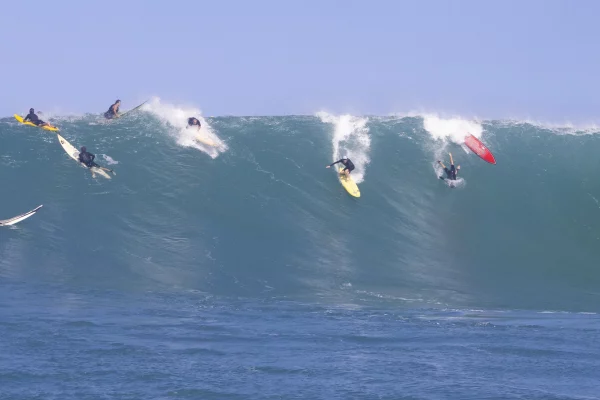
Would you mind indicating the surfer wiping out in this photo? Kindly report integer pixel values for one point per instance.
(34, 119)
(450, 173)
(194, 122)
(113, 110)
(346, 161)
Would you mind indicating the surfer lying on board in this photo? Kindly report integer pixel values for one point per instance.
(87, 158)
(346, 161)
(194, 121)
(113, 110)
(34, 119)
(450, 173)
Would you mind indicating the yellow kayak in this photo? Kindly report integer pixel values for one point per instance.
(348, 183)
(48, 128)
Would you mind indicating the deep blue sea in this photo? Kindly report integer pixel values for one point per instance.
(245, 271)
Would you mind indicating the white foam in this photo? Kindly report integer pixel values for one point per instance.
(449, 130)
(350, 139)
(454, 129)
(109, 160)
(175, 118)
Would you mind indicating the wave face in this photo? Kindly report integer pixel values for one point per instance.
(244, 270)
(259, 216)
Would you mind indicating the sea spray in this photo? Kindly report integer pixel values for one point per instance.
(175, 119)
(350, 139)
(446, 131)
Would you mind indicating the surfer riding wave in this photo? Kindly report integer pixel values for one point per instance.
(347, 163)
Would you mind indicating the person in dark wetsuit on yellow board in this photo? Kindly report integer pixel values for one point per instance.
(450, 173)
(194, 122)
(347, 163)
(113, 110)
(34, 119)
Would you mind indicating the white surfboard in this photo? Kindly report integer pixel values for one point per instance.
(74, 154)
(19, 218)
(205, 140)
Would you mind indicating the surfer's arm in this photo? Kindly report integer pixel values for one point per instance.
(442, 164)
(451, 160)
(26, 118)
(331, 165)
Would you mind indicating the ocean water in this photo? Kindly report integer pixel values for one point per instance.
(245, 271)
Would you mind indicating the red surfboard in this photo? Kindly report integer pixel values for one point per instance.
(479, 148)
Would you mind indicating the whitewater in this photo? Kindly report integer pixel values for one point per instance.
(244, 269)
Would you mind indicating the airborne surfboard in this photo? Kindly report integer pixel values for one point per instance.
(479, 148)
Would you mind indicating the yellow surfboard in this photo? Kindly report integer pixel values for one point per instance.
(348, 183)
(47, 128)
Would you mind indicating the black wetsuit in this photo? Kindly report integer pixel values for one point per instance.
(110, 114)
(88, 159)
(193, 121)
(346, 162)
(450, 173)
(33, 118)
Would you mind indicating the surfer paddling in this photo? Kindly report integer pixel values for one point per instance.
(194, 122)
(347, 163)
(113, 110)
(87, 159)
(34, 119)
(450, 173)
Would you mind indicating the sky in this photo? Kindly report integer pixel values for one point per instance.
(475, 58)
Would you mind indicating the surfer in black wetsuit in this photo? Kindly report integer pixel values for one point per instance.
(450, 173)
(34, 119)
(87, 158)
(113, 110)
(347, 163)
(194, 122)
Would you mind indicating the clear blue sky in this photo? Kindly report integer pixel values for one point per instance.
(537, 58)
